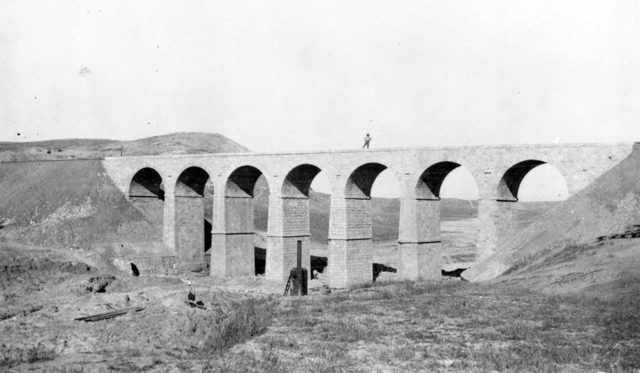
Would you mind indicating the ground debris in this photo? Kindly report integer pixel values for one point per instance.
(109, 315)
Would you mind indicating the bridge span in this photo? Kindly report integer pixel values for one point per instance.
(178, 183)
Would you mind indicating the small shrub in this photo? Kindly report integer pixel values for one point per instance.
(40, 353)
(218, 333)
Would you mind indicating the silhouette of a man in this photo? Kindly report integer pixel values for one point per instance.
(366, 142)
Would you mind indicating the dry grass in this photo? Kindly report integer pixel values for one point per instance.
(449, 326)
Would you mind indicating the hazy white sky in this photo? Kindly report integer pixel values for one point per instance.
(311, 75)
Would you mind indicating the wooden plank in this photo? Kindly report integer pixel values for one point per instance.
(109, 315)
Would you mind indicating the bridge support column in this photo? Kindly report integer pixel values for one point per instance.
(419, 242)
(232, 237)
(189, 233)
(496, 225)
(169, 222)
(350, 241)
(288, 224)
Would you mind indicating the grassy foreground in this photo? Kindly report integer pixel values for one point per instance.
(450, 326)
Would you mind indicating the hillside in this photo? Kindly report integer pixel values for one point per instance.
(175, 143)
(561, 252)
(73, 203)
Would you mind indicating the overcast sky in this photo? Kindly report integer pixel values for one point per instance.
(312, 75)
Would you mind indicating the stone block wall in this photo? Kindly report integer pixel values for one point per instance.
(350, 262)
(189, 229)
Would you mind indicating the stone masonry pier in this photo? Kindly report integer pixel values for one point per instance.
(178, 182)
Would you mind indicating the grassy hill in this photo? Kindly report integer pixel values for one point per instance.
(561, 252)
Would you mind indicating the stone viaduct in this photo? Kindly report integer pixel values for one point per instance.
(178, 182)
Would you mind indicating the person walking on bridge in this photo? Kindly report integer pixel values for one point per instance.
(367, 140)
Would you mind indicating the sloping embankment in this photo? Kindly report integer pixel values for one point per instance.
(72, 204)
(604, 207)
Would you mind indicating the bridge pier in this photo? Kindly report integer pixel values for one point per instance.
(288, 224)
(350, 241)
(232, 237)
(189, 233)
(497, 225)
(169, 221)
(419, 241)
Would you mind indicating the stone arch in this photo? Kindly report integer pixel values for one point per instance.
(242, 181)
(361, 180)
(430, 181)
(146, 183)
(238, 218)
(146, 194)
(431, 232)
(192, 182)
(192, 229)
(298, 181)
(510, 182)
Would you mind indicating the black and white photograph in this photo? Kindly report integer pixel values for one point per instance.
(320, 186)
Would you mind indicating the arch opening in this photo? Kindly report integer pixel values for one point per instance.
(452, 192)
(432, 178)
(193, 218)
(374, 219)
(537, 187)
(242, 182)
(510, 183)
(543, 183)
(319, 211)
(146, 194)
(298, 181)
(247, 219)
(146, 183)
(361, 180)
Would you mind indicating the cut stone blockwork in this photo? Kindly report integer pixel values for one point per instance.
(497, 170)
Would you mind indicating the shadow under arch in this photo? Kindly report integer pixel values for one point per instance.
(430, 182)
(146, 183)
(242, 181)
(509, 184)
(361, 180)
(298, 181)
(146, 194)
(192, 230)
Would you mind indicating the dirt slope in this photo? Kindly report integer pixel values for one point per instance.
(562, 248)
(73, 203)
(70, 204)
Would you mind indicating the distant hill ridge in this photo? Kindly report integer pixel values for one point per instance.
(174, 143)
